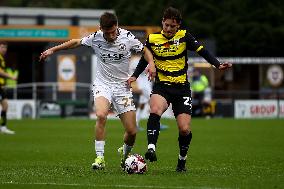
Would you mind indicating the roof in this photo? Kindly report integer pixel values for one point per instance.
(54, 12)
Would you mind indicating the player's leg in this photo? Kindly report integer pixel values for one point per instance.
(4, 105)
(184, 139)
(182, 108)
(158, 105)
(125, 108)
(129, 123)
(102, 107)
(102, 102)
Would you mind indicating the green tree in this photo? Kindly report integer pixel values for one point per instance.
(240, 27)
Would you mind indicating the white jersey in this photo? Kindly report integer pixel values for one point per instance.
(113, 57)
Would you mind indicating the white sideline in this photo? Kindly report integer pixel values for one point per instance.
(105, 186)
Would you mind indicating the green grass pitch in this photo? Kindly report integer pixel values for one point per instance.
(224, 153)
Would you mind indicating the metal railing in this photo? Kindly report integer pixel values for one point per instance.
(82, 91)
(81, 96)
(48, 91)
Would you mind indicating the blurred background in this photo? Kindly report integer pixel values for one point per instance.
(249, 34)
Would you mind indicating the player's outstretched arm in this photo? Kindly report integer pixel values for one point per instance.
(146, 59)
(148, 55)
(212, 60)
(138, 70)
(151, 69)
(73, 43)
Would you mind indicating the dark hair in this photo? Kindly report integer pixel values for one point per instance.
(108, 20)
(3, 43)
(172, 13)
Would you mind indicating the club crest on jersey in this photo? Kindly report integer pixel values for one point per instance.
(176, 42)
(122, 47)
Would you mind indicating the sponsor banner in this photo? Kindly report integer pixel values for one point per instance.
(74, 108)
(62, 33)
(63, 109)
(49, 109)
(33, 33)
(259, 108)
(66, 73)
(19, 109)
(44, 33)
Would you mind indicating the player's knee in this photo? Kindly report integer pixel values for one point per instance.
(101, 116)
(185, 130)
(156, 110)
(132, 132)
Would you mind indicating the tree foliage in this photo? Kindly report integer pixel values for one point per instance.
(240, 27)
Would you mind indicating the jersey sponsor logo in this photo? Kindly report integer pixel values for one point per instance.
(111, 57)
(166, 48)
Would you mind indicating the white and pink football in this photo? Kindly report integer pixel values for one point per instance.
(135, 164)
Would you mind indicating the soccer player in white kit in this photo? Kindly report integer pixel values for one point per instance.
(113, 47)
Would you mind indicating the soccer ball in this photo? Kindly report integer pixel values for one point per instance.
(135, 164)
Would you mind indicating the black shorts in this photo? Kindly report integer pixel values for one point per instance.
(3, 94)
(178, 95)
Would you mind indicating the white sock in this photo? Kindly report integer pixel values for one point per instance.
(100, 148)
(126, 150)
(152, 146)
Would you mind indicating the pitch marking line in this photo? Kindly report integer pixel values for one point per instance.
(107, 186)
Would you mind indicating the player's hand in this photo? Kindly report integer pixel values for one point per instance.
(225, 65)
(45, 54)
(130, 80)
(151, 71)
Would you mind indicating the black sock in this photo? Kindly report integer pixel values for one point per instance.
(153, 128)
(184, 142)
(4, 118)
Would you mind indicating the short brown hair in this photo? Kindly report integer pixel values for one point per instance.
(3, 43)
(108, 20)
(172, 13)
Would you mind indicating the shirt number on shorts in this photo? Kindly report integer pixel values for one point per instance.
(186, 101)
(127, 102)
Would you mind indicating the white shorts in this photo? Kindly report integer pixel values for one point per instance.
(146, 87)
(120, 96)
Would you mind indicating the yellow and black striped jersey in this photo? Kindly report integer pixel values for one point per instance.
(2, 67)
(170, 55)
